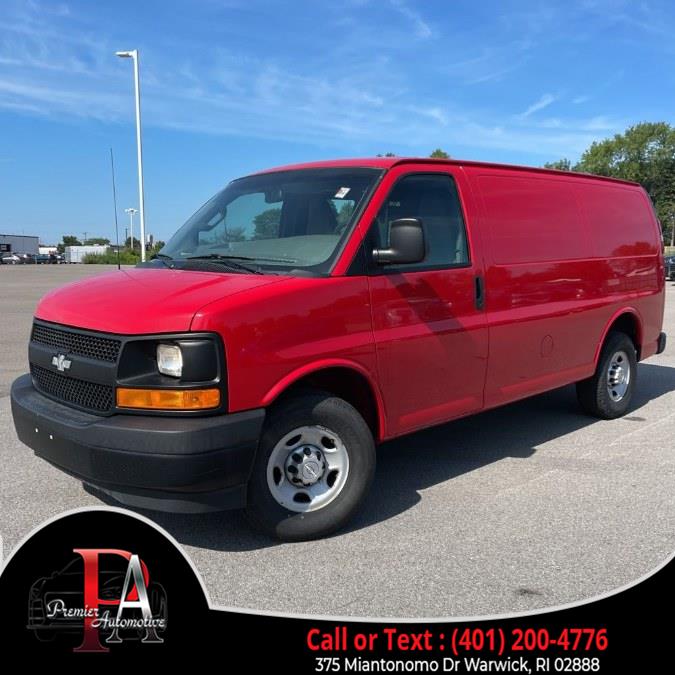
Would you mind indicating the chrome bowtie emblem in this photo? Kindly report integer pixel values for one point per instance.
(61, 362)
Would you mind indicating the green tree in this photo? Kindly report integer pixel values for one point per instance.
(644, 153)
(439, 154)
(234, 234)
(344, 214)
(267, 224)
(97, 240)
(68, 240)
(563, 164)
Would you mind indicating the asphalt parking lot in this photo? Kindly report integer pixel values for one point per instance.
(528, 506)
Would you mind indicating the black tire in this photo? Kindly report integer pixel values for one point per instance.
(339, 417)
(594, 394)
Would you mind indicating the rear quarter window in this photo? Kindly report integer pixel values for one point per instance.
(619, 219)
(532, 219)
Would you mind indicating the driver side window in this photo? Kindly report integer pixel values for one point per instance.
(433, 199)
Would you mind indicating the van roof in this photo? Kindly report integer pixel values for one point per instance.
(389, 162)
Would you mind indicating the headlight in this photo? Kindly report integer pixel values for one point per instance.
(169, 360)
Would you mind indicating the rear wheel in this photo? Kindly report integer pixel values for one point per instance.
(607, 394)
(313, 468)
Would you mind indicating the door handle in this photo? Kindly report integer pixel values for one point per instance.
(479, 292)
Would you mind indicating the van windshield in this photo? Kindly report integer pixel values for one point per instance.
(283, 221)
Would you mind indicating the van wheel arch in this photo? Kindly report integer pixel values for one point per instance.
(345, 383)
(627, 322)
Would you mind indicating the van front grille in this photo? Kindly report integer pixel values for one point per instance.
(75, 342)
(88, 395)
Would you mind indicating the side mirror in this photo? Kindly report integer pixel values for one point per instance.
(406, 243)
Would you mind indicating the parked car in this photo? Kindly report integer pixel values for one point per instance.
(306, 313)
(669, 264)
(56, 259)
(26, 258)
(42, 259)
(9, 259)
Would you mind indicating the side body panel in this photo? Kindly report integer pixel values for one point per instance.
(627, 235)
(272, 339)
(561, 263)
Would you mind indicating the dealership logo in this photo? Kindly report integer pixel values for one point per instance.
(104, 595)
(61, 362)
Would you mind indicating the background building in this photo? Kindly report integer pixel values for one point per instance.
(19, 243)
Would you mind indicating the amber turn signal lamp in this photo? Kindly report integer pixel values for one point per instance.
(168, 399)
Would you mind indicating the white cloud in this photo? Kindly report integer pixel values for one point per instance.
(601, 123)
(422, 28)
(434, 113)
(362, 101)
(552, 123)
(542, 102)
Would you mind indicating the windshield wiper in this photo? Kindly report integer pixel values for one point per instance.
(279, 260)
(160, 257)
(228, 260)
(244, 257)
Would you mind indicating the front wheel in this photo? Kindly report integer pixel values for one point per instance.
(608, 392)
(313, 468)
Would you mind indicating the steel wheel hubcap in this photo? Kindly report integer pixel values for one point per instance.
(618, 376)
(307, 468)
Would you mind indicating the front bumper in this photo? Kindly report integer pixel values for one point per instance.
(165, 463)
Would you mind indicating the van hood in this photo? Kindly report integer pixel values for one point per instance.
(143, 300)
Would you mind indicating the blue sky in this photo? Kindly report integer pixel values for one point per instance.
(231, 86)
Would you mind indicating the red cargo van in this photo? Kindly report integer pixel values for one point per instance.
(306, 313)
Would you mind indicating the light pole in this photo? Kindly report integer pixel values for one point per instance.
(133, 54)
(131, 225)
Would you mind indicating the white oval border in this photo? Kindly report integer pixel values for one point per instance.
(322, 617)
